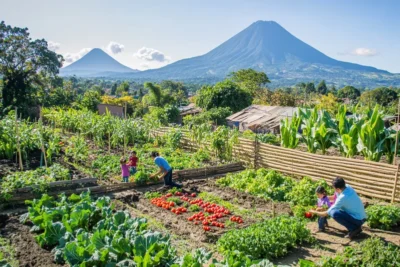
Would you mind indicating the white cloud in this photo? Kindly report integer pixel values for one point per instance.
(53, 46)
(151, 54)
(115, 48)
(364, 52)
(144, 66)
(72, 57)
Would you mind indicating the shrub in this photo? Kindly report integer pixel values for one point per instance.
(383, 217)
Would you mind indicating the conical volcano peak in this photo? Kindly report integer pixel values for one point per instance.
(95, 63)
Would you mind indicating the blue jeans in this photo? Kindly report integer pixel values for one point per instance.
(125, 179)
(132, 170)
(322, 221)
(346, 220)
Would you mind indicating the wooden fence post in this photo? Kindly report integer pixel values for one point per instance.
(256, 152)
(395, 183)
(17, 137)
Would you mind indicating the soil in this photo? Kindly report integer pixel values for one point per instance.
(27, 250)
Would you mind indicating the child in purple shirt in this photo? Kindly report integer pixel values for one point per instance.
(323, 204)
(124, 169)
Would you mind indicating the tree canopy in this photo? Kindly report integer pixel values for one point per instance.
(250, 80)
(322, 88)
(349, 92)
(382, 96)
(223, 94)
(24, 63)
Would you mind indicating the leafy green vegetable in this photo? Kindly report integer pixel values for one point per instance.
(270, 239)
(384, 217)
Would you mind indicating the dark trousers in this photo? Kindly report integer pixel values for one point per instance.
(346, 220)
(168, 180)
(322, 221)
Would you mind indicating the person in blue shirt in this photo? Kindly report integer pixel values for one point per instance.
(165, 170)
(348, 209)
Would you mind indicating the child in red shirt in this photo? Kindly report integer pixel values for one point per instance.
(133, 160)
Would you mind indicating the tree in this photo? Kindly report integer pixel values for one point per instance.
(349, 92)
(281, 98)
(155, 94)
(172, 113)
(310, 88)
(90, 100)
(23, 64)
(250, 80)
(123, 88)
(322, 88)
(223, 94)
(382, 96)
(333, 90)
(328, 102)
(114, 89)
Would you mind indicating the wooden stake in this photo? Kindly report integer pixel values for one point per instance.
(395, 184)
(124, 133)
(17, 137)
(397, 133)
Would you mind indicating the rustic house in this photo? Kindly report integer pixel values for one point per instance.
(261, 119)
(190, 109)
(113, 109)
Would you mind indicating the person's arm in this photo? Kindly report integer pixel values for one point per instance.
(320, 213)
(160, 171)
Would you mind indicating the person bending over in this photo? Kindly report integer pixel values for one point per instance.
(165, 170)
(348, 209)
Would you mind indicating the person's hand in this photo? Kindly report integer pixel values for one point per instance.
(151, 176)
(312, 211)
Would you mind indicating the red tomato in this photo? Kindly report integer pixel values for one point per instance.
(308, 214)
(193, 195)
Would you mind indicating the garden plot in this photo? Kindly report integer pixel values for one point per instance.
(203, 212)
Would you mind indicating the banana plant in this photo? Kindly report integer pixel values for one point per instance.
(325, 137)
(290, 136)
(309, 119)
(390, 145)
(372, 136)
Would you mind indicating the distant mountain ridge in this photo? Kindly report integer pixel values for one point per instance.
(267, 46)
(264, 46)
(94, 64)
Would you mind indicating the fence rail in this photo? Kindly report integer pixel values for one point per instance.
(371, 179)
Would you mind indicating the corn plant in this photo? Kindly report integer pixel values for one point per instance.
(325, 133)
(290, 131)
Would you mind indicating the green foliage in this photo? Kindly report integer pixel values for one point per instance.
(24, 64)
(172, 113)
(194, 208)
(151, 195)
(106, 165)
(369, 253)
(269, 239)
(223, 94)
(77, 149)
(261, 183)
(303, 192)
(214, 115)
(382, 96)
(84, 232)
(7, 254)
(372, 136)
(157, 115)
(289, 131)
(173, 138)
(383, 217)
(141, 177)
(268, 139)
(122, 88)
(282, 98)
(222, 141)
(322, 88)
(90, 100)
(349, 92)
(250, 80)
(38, 179)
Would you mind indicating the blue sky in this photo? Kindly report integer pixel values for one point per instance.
(150, 34)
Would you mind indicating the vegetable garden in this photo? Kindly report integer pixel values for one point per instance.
(255, 217)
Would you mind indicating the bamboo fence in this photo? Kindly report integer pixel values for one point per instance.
(372, 179)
